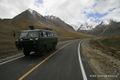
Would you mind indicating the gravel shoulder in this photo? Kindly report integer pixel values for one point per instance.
(106, 67)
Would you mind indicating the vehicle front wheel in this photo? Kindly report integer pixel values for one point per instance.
(26, 52)
(53, 47)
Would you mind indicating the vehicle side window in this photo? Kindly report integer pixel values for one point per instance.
(41, 34)
(48, 34)
(51, 34)
(33, 34)
(44, 34)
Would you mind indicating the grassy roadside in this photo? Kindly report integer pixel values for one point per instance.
(111, 46)
(104, 63)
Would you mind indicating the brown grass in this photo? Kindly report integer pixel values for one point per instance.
(110, 46)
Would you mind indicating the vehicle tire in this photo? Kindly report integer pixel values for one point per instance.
(53, 47)
(26, 52)
(46, 48)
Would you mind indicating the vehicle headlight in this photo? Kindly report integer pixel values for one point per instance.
(31, 39)
(21, 39)
(36, 38)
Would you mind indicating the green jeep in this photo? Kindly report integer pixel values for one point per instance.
(37, 40)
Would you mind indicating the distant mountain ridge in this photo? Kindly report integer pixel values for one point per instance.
(112, 29)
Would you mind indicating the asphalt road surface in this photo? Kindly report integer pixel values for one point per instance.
(66, 63)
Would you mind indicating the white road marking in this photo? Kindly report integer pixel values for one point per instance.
(11, 59)
(36, 66)
(81, 64)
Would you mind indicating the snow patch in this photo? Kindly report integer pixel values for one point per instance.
(30, 10)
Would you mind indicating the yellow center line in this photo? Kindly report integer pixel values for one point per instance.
(36, 66)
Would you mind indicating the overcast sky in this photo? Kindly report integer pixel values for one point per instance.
(74, 12)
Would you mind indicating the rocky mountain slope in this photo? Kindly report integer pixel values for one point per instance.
(31, 17)
(112, 29)
(58, 22)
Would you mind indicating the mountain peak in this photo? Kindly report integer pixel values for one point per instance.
(51, 17)
(30, 10)
(30, 16)
(33, 12)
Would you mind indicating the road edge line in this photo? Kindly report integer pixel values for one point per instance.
(9, 59)
(36, 66)
(81, 64)
(18, 56)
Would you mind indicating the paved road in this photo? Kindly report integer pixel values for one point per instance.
(66, 63)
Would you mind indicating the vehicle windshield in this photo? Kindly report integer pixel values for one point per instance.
(23, 34)
(31, 34)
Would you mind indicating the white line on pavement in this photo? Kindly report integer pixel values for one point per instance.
(81, 64)
(36, 66)
(15, 57)
(11, 59)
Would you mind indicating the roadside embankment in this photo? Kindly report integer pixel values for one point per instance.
(105, 66)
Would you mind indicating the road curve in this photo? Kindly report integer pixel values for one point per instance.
(63, 64)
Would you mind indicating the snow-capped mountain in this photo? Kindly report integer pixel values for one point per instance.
(31, 17)
(58, 22)
(111, 29)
